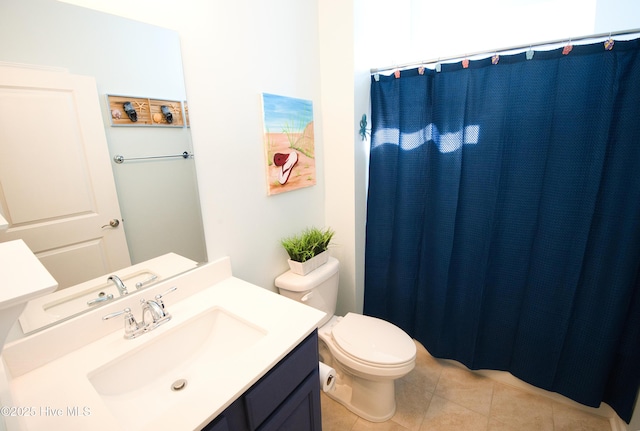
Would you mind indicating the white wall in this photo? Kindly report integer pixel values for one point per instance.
(415, 30)
(337, 71)
(614, 15)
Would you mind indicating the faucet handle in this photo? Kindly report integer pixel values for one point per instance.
(117, 313)
(161, 295)
(131, 327)
(140, 284)
(171, 289)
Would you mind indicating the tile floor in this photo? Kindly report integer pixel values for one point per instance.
(440, 396)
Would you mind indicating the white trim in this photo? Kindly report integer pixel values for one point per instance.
(4, 224)
(34, 66)
(618, 424)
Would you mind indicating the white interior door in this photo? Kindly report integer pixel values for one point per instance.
(57, 190)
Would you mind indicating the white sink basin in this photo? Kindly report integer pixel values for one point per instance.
(143, 379)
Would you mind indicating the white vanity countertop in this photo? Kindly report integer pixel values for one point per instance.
(59, 394)
(22, 275)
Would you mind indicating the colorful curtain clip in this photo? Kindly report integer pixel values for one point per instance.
(397, 73)
(438, 67)
(567, 49)
(608, 44)
(529, 54)
(465, 63)
(421, 70)
(376, 77)
(495, 59)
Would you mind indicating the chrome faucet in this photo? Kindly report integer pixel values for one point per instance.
(131, 327)
(153, 315)
(119, 284)
(101, 298)
(154, 309)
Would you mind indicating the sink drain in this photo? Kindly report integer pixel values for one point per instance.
(179, 385)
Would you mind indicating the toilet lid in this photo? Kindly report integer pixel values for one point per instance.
(373, 340)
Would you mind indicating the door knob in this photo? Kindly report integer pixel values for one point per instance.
(113, 223)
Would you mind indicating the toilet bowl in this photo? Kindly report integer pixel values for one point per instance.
(368, 353)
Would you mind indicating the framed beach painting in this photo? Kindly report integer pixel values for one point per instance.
(289, 143)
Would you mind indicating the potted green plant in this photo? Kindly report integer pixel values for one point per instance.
(308, 250)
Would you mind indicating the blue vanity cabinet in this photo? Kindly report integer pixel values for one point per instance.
(301, 412)
(232, 419)
(219, 424)
(286, 398)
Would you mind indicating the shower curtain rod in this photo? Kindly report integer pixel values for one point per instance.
(511, 48)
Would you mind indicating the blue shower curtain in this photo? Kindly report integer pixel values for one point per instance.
(503, 218)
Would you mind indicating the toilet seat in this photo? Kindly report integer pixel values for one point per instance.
(372, 345)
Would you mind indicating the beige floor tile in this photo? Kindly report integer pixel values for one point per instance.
(495, 425)
(335, 417)
(363, 425)
(426, 372)
(445, 415)
(411, 404)
(522, 410)
(566, 418)
(466, 388)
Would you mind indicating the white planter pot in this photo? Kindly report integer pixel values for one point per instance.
(303, 268)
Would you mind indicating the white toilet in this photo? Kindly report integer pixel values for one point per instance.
(368, 353)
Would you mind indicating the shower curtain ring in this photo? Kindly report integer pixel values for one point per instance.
(567, 49)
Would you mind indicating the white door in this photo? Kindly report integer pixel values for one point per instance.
(57, 190)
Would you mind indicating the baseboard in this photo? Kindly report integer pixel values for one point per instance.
(618, 424)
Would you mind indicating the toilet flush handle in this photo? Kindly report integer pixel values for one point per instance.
(307, 297)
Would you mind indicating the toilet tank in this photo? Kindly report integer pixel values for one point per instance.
(317, 289)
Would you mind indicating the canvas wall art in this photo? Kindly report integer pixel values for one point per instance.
(289, 143)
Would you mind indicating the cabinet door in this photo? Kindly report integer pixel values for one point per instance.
(301, 412)
(277, 385)
(220, 424)
(232, 419)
